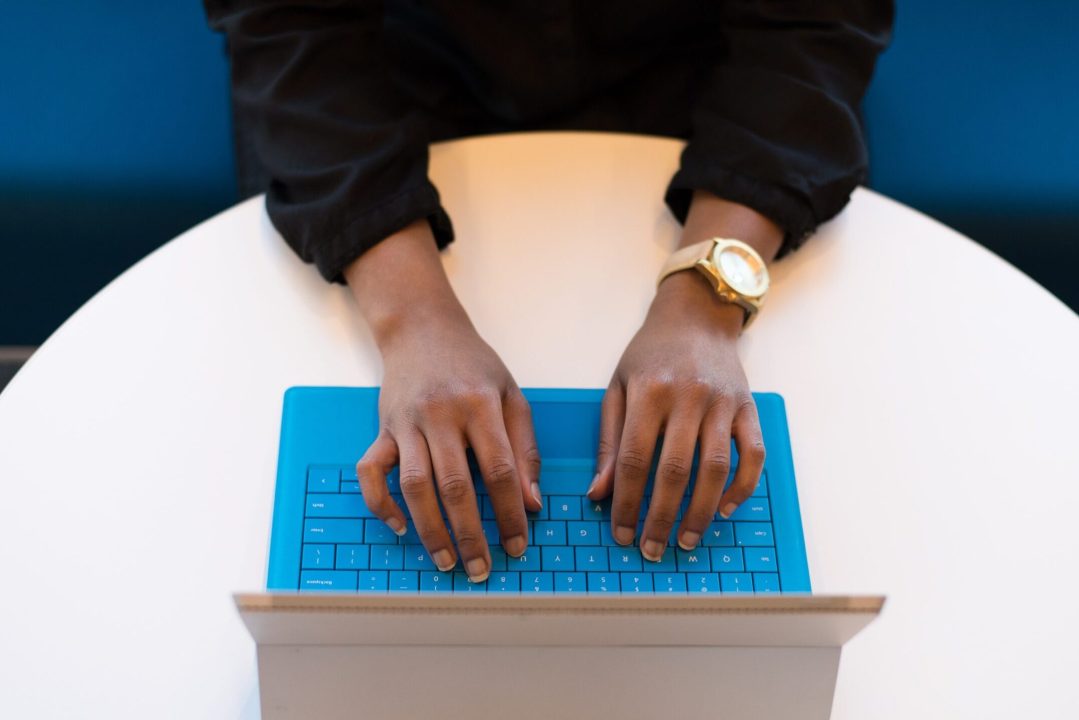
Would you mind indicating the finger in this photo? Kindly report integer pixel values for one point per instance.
(672, 477)
(635, 450)
(713, 467)
(612, 418)
(487, 436)
(750, 444)
(371, 470)
(458, 495)
(522, 437)
(418, 489)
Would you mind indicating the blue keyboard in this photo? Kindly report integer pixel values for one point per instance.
(342, 547)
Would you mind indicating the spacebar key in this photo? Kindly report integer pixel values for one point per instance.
(566, 480)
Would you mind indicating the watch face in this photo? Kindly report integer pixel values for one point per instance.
(742, 270)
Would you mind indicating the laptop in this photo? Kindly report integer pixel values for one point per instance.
(359, 619)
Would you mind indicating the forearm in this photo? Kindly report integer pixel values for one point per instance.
(400, 283)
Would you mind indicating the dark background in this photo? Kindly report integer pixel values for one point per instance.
(115, 137)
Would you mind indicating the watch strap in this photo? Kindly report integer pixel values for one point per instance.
(686, 258)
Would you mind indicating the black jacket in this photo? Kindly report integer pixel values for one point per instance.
(336, 102)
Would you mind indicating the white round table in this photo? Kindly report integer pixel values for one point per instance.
(931, 388)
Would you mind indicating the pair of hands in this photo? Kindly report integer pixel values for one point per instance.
(445, 390)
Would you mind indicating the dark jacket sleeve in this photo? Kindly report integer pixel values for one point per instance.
(345, 155)
(776, 125)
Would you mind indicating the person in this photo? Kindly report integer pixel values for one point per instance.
(335, 104)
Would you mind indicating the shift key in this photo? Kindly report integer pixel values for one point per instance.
(325, 505)
(753, 534)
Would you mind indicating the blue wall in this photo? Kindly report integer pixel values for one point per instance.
(973, 117)
(114, 137)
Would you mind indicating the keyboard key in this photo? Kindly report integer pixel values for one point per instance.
(636, 582)
(350, 486)
(698, 583)
(669, 582)
(695, 560)
(411, 536)
(569, 582)
(727, 559)
(753, 509)
(436, 582)
(542, 513)
(605, 536)
(348, 473)
(373, 580)
(487, 508)
(499, 559)
(765, 582)
(504, 582)
(591, 558)
(595, 510)
(336, 506)
(565, 508)
(624, 558)
(322, 479)
(387, 557)
(461, 584)
(566, 480)
(317, 557)
(328, 580)
(753, 533)
(416, 558)
(557, 558)
(490, 531)
(736, 582)
(719, 533)
(667, 562)
(603, 582)
(376, 532)
(352, 557)
(548, 532)
(761, 559)
(762, 487)
(529, 561)
(403, 581)
(332, 531)
(393, 481)
(583, 533)
(537, 582)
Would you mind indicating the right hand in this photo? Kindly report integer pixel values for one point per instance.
(444, 390)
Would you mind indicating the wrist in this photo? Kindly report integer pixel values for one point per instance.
(402, 289)
(686, 297)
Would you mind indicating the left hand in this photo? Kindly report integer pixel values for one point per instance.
(680, 377)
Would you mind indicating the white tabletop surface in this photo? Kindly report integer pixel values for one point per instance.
(931, 388)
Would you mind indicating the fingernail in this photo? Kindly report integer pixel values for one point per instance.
(593, 485)
(536, 492)
(727, 510)
(689, 540)
(444, 560)
(652, 550)
(477, 569)
(623, 535)
(515, 546)
(397, 526)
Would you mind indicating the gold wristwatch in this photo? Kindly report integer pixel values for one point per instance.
(737, 272)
